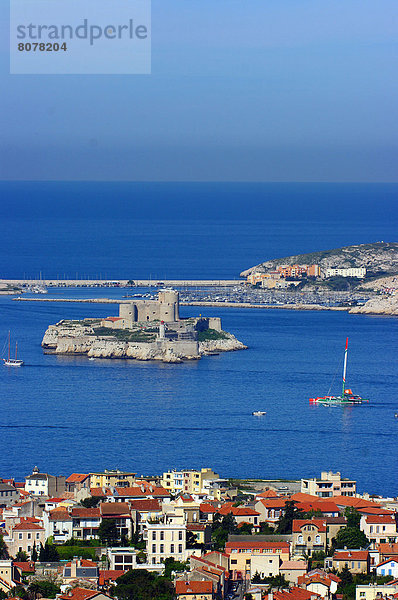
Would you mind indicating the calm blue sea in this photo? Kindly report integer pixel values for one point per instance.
(69, 414)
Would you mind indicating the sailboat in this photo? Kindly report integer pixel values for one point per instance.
(12, 362)
(347, 396)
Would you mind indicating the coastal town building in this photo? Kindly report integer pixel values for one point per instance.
(112, 477)
(320, 582)
(122, 559)
(374, 591)
(25, 535)
(309, 535)
(58, 524)
(8, 495)
(329, 485)
(43, 484)
(194, 590)
(81, 570)
(379, 529)
(359, 272)
(357, 561)
(248, 557)
(191, 481)
(86, 522)
(164, 540)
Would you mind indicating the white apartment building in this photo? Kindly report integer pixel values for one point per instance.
(329, 485)
(359, 272)
(164, 540)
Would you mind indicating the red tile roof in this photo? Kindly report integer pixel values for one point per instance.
(83, 563)
(77, 477)
(352, 501)
(113, 319)
(247, 545)
(351, 555)
(388, 548)
(148, 504)
(320, 524)
(114, 508)
(194, 587)
(26, 567)
(26, 525)
(238, 511)
(59, 514)
(389, 519)
(207, 508)
(109, 575)
(79, 594)
(374, 510)
(267, 494)
(86, 513)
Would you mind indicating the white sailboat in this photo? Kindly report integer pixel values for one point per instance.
(12, 362)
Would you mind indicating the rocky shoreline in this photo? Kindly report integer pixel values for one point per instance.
(381, 305)
(62, 339)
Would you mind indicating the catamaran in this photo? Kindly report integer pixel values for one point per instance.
(347, 397)
(12, 362)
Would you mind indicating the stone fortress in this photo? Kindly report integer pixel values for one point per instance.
(144, 330)
(164, 313)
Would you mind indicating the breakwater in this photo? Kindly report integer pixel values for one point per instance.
(298, 306)
(124, 282)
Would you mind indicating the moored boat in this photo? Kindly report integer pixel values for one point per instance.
(9, 361)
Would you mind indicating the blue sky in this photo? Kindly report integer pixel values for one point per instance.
(262, 90)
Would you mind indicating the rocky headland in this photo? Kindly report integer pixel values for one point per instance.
(379, 259)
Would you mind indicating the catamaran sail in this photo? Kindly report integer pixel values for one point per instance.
(347, 397)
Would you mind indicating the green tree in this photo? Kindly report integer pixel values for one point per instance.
(48, 553)
(3, 549)
(350, 537)
(34, 553)
(90, 502)
(245, 529)
(139, 584)
(44, 587)
(21, 556)
(19, 592)
(279, 581)
(222, 528)
(287, 517)
(171, 565)
(107, 532)
(353, 517)
(266, 529)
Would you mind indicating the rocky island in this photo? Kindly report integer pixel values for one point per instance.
(144, 330)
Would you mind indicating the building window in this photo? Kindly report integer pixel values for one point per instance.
(29, 536)
(20, 536)
(172, 548)
(180, 548)
(161, 550)
(154, 535)
(162, 535)
(180, 535)
(153, 548)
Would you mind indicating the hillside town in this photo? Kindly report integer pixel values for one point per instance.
(285, 275)
(191, 534)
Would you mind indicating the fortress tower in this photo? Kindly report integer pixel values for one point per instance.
(165, 308)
